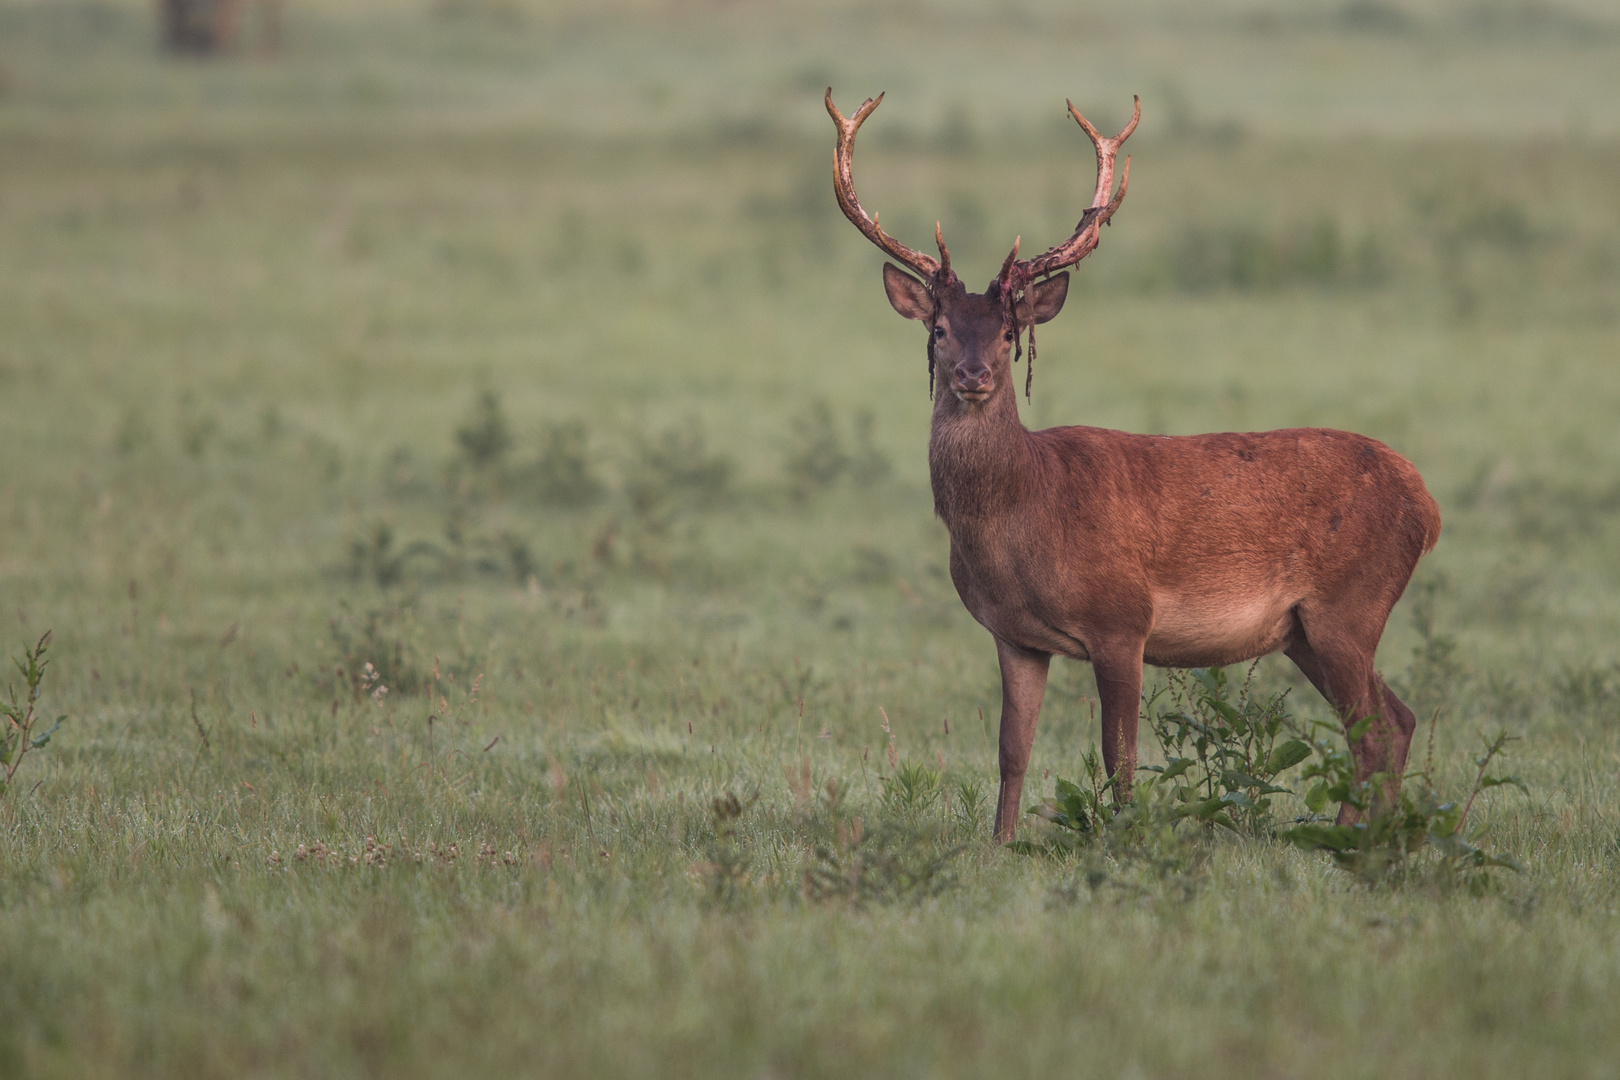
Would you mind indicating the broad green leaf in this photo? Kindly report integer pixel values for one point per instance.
(1287, 755)
(1176, 767)
(1317, 798)
(1344, 790)
(1360, 728)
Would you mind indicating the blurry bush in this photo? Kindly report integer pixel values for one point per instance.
(466, 550)
(1436, 672)
(1477, 240)
(506, 13)
(1224, 765)
(1588, 691)
(485, 437)
(816, 456)
(374, 556)
(378, 652)
(1248, 258)
(675, 466)
(563, 475)
(1558, 513)
(668, 476)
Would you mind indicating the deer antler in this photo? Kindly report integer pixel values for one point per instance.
(1085, 237)
(932, 271)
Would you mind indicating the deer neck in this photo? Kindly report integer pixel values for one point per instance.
(978, 458)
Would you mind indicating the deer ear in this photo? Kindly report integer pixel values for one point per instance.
(1047, 299)
(909, 296)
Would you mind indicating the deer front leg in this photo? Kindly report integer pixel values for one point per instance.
(1119, 685)
(1023, 685)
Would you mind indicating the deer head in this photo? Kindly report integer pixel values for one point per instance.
(975, 337)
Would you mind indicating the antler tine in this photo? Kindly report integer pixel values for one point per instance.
(1005, 274)
(844, 188)
(1102, 207)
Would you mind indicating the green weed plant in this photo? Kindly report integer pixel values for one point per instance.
(1231, 754)
(24, 728)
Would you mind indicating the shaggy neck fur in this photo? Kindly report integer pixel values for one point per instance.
(978, 455)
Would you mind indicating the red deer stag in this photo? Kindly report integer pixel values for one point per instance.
(1120, 549)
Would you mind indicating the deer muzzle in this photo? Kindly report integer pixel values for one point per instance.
(971, 382)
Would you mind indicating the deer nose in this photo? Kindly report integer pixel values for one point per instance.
(971, 378)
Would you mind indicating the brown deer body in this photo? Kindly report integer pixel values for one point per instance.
(1120, 549)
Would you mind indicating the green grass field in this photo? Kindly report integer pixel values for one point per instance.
(520, 352)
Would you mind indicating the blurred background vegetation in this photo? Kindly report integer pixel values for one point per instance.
(440, 274)
(524, 340)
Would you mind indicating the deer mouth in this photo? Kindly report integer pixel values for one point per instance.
(972, 397)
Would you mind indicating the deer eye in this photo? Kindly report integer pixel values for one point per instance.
(939, 333)
(1008, 335)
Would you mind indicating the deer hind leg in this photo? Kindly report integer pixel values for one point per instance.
(1404, 724)
(1119, 685)
(1023, 686)
(1340, 666)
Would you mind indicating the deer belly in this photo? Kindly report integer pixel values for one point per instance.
(1211, 630)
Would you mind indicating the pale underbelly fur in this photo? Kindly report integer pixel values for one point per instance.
(1212, 629)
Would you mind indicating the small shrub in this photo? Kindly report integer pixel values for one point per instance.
(868, 464)
(485, 437)
(891, 864)
(197, 432)
(402, 476)
(727, 866)
(912, 789)
(1248, 258)
(1221, 751)
(468, 550)
(1383, 843)
(676, 466)
(134, 432)
(816, 456)
(1588, 690)
(1436, 671)
(669, 475)
(374, 556)
(563, 475)
(1225, 756)
(1141, 832)
(968, 802)
(379, 648)
(196, 428)
(519, 557)
(21, 715)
